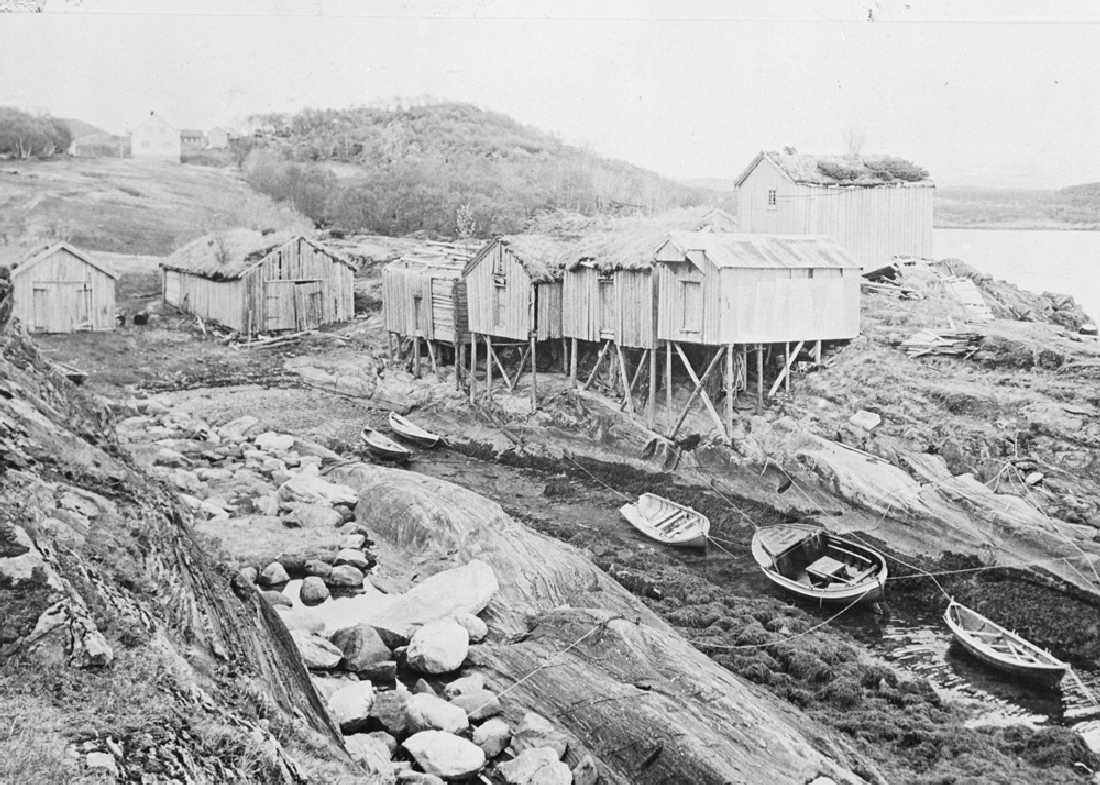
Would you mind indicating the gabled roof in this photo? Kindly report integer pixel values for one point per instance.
(29, 257)
(439, 259)
(842, 170)
(755, 251)
(540, 255)
(226, 256)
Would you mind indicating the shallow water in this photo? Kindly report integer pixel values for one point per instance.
(586, 514)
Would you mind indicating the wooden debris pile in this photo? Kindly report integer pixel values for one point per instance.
(950, 343)
(887, 280)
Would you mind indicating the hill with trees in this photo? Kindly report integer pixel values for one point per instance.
(24, 135)
(445, 169)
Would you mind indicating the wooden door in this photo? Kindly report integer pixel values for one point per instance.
(308, 308)
(40, 307)
(279, 305)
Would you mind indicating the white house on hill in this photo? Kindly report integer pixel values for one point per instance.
(156, 139)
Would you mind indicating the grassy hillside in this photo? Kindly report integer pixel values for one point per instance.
(1075, 207)
(128, 206)
(443, 169)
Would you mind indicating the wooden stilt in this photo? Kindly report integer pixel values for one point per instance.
(628, 386)
(698, 391)
(389, 347)
(787, 371)
(573, 362)
(564, 356)
(651, 394)
(817, 352)
(668, 385)
(473, 367)
(785, 374)
(459, 347)
(731, 383)
(596, 367)
(431, 355)
(628, 396)
(534, 374)
(489, 357)
(416, 357)
(759, 378)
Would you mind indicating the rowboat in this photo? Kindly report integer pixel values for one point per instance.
(411, 431)
(666, 521)
(1006, 651)
(382, 446)
(816, 564)
(70, 372)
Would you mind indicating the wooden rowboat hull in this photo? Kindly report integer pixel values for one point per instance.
(1048, 670)
(684, 527)
(411, 432)
(383, 447)
(870, 589)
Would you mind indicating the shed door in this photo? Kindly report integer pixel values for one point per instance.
(279, 305)
(308, 308)
(606, 315)
(40, 307)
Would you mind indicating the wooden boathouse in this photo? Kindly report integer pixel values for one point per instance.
(255, 282)
(514, 300)
(424, 303)
(59, 289)
(724, 293)
(875, 208)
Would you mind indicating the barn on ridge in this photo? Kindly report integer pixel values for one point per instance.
(514, 299)
(875, 208)
(724, 293)
(256, 282)
(424, 302)
(59, 289)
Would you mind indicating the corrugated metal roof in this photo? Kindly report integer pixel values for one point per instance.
(759, 251)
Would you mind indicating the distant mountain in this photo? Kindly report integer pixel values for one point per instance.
(79, 128)
(443, 169)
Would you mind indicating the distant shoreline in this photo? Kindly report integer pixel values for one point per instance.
(1021, 227)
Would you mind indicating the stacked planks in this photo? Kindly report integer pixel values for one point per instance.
(949, 343)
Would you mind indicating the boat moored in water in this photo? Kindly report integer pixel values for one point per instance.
(1002, 649)
(814, 563)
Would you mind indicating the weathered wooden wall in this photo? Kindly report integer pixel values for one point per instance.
(618, 306)
(295, 287)
(500, 304)
(426, 301)
(754, 305)
(872, 224)
(62, 294)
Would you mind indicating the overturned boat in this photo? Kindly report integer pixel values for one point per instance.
(667, 521)
(383, 447)
(1001, 649)
(813, 563)
(412, 432)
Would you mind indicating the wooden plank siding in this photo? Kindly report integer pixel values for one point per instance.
(504, 302)
(62, 293)
(618, 305)
(872, 224)
(295, 287)
(419, 299)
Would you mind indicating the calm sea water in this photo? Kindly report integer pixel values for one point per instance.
(1036, 259)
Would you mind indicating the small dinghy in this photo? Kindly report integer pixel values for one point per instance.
(70, 372)
(811, 562)
(411, 431)
(666, 521)
(382, 446)
(1006, 651)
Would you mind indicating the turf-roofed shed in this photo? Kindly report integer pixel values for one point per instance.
(256, 282)
(56, 288)
(514, 285)
(424, 299)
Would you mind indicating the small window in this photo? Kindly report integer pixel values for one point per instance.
(498, 264)
(772, 201)
(498, 306)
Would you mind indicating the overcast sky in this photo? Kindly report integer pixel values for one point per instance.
(998, 93)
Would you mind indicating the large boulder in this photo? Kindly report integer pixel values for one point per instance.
(478, 705)
(345, 576)
(311, 488)
(428, 712)
(388, 711)
(273, 574)
(351, 704)
(362, 646)
(274, 442)
(477, 629)
(492, 736)
(438, 647)
(353, 556)
(535, 731)
(312, 515)
(475, 682)
(317, 653)
(313, 591)
(236, 430)
(369, 751)
(444, 754)
(537, 766)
